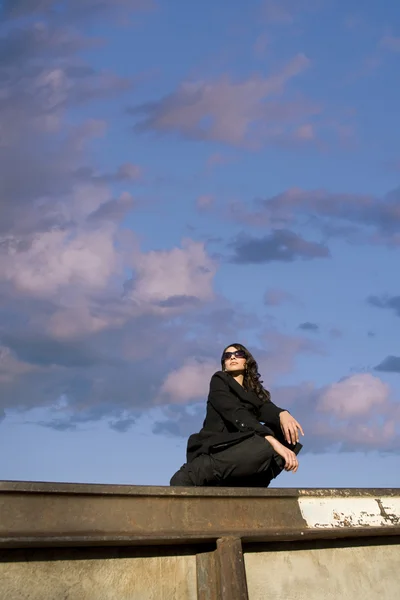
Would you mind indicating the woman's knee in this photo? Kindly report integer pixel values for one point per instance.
(199, 472)
(244, 459)
(181, 478)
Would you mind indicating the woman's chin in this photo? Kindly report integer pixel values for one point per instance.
(235, 371)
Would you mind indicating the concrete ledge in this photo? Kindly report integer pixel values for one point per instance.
(55, 514)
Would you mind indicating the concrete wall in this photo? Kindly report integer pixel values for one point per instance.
(95, 542)
(368, 572)
(354, 570)
(101, 578)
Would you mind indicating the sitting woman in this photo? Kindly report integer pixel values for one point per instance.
(246, 440)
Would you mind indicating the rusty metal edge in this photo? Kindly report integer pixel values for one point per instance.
(38, 487)
(232, 572)
(196, 537)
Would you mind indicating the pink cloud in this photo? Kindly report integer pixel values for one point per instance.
(218, 159)
(305, 132)
(239, 113)
(261, 45)
(356, 413)
(205, 201)
(187, 383)
(276, 297)
(354, 22)
(167, 280)
(56, 260)
(278, 11)
(285, 11)
(354, 396)
(390, 42)
(130, 172)
(11, 367)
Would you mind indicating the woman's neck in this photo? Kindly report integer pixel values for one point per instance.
(239, 378)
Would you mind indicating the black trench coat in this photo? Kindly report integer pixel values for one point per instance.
(233, 414)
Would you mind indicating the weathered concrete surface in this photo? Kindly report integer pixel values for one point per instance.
(368, 572)
(138, 578)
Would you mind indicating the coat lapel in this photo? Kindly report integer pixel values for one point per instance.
(241, 392)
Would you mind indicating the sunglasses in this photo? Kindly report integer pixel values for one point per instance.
(237, 354)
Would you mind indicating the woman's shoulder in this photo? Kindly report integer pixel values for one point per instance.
(218, 376)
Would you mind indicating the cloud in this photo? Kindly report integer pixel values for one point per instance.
(357, 413)
(86, 315)
(180, 421)
(74, 10)
(11, 367)
(189, 382)
(113, 210)
(278, 12)
(284, 12)
(205, 202)
(307, 326)
(56, 260)
(42, 77)
(276, 355)
(44, 351)
(163, 276)
(357, 218)
(386, 301)
(239, 113)
(218, 159)
(277, 297)
(281, 245)
(391, 364)
(354, 396)
(391, 43)
(125, 173)
(335, 333)
(279, 353)
(122, 425)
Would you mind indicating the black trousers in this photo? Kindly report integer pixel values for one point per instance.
(250, 463)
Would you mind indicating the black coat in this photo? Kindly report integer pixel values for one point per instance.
(233, 414)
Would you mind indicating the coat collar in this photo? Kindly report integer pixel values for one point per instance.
(240, 391)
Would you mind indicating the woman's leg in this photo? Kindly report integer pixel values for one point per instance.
(235, 464)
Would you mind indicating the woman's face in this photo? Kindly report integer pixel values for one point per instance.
(235, 359)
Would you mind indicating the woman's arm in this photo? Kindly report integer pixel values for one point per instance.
(269, 414)
(279, 417)
(232, 410)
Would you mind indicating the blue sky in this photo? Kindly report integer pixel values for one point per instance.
(179, 176)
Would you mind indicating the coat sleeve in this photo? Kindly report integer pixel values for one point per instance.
(229, 407)
(269, 414)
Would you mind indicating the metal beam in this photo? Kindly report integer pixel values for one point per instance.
(49, 514)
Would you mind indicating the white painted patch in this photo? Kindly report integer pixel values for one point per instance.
(383, 511)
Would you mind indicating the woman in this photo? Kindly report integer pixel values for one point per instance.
(246, 440)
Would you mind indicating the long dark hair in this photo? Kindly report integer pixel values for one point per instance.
(252, 378)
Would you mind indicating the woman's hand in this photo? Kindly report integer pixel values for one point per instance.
(291, 462)
(290, 427)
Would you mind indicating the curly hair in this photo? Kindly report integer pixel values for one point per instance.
(252, 378)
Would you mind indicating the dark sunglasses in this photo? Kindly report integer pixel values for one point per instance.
(237, 354)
